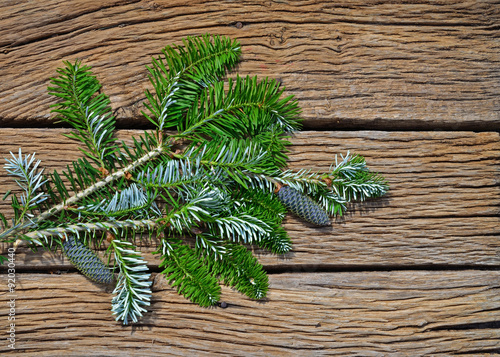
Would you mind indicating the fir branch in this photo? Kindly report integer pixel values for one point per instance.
(240, 228)
(352, 180)
(239, 269)
(349, 180)
(133, 290)
(266, 207)
(85, 109)
(88, 191)
(30, 179)
(182, 72)
(197, 205)
(188, 274)
(229, 114)
(238, 159)
(133, 200)
(223, 186)
(330, 201)
(278, 241)
(262, 204)
(211, 245)
(274, 142)
(162, 109)
(174, 174)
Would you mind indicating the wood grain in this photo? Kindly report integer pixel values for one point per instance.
(412, 274)
(355, 64)
(442, 209)
(362, 313)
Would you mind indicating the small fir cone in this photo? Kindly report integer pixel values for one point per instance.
(303, 206)
(86, 261)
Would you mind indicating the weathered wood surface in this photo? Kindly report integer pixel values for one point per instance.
(353, 64)
(410, 313)
(415, 273)
(442, 209)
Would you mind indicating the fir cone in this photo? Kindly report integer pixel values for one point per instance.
(303, 206)
(86, 261)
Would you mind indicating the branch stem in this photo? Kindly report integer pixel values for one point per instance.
(85, 227)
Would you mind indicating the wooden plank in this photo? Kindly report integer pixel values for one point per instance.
(443, 207)
(358, 64)
(362, 313)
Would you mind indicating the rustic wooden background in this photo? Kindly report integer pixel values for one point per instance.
(411, 85)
